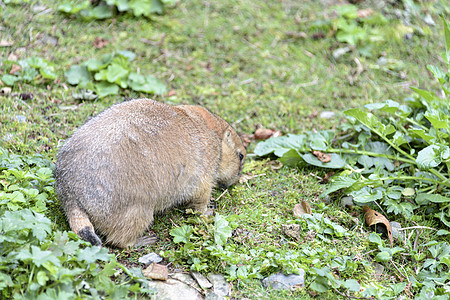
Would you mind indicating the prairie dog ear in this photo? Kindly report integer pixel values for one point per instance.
(227, 136)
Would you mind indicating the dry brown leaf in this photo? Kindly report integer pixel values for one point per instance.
(246, 139)
(322, 156)
(14, 69)
(157, 272)
(171, 93)
(245, 178)
(264, 133)
(100, 42)
(327, 177)
(302, 208)
(373, 217)
(364, 13)
(5, 43)
(275, 164)
(292, 230)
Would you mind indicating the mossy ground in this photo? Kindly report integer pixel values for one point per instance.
(240, 60)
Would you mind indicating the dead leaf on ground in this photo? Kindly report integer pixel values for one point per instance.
(100, 42)
(292, 230)
(171, 93)
(322, 156)
(302, 208)
(5, 43)
(14, 69)
(327, 177)
(246, 139)
(373, 217)
(275, 164)
(318, 36)
(245, 177)
(264, 133)
(157, 272)
(364, 13)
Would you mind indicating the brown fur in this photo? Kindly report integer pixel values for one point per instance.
(141, 157)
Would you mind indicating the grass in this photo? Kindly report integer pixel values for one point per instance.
(238, 59)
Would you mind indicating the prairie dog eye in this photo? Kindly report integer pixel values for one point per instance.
(241, 156)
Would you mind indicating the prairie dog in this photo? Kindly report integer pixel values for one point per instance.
(141, 157)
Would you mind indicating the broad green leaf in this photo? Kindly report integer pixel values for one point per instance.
(375, 238)
(47, 73)
(116, 74)
(438, 73)
(432, 156)
(399, 138)
(291, 158)
(130, 56)
(437, 118)
(9, 79)
(423, 135)
(97, 13)
(77, 74)
(122, 5)
(141, 7)
(383, 256)
(340, 182)
(366, 195)
(336, 161)
(447, 38)
(435, 198)
(221, 230)
(351, 285)
(104, 89)
(157, 6)
(365, 118)
(147, 84)
(93, 253)
(73, 8)
(280, 145)
(181, 234)
(425, 94)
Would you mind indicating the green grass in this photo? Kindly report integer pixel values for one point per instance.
(237, 59)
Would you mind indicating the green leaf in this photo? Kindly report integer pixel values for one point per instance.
(141, 7)
(383, 256)
(181, 234)
(432, 156)
(340, 182)
(221, 230)
(77, 74)
(366, 195)
(130, 56)
(425, 94)
(437, 118)
(104, 89)
(424, 198)
(375, 238)
(336, 161)
(291, 158)
(97, 13)
(116, 74)
(365, 118)
(93, 253)
(73, 8)
(9, 79)
(280, 145)
(146, 84)
(351, 285)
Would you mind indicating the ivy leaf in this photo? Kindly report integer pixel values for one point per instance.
(181, 234)
(221, 230)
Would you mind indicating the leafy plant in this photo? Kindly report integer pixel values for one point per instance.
(106, 9)
(399, 157)
(38, 262)
(34, 70)
(108, 74)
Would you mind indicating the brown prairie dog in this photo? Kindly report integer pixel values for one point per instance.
(142, 157)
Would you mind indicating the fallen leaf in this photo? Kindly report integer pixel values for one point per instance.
(297, 35)
(373, 217)
(26, 96)
(275, 164)
(327, 177)
(264, 133)
(302, 208)
(14, 69)
(246, 139)
(318, 36)
(5, 43)
(364, 13)
(292, 230)
(100, 42)
(245, 177)
(157, 272)
(12, 57)
(322, 156)
(171, 93)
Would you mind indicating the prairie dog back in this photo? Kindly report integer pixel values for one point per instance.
(141, 157)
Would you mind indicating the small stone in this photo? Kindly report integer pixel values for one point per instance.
(157, 272)
(395, 226)
(185, 278)
(174, 290)
(150, 258)
(201, 280)
(347, 201)
(340, 51)
(21, 119)
(213, 296)
(327, 114)
(429, 20)
(279, 281)
(220, 286)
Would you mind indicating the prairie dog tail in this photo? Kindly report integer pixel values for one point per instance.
(80, 224)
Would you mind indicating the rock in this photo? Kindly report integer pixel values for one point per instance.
(155, 271)
(150, 258)
(201, 280)
(220, 286)
(327, 114)
(279, 281)
(395, 226)
(347, 201)
(213, 296)
(185, 278)
(174, 290)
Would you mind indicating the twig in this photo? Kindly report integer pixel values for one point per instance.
(226, 190)
(418, 227)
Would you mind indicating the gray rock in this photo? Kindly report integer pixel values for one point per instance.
(347, 201)
(173, 289)
(185, 278)
(201, 280)
(213, 296)
(150, 258)
(395, 226)
(220, 286)
(327, 114)
(279, 281)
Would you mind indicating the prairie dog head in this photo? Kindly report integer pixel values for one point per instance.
(232, 158)
(232, 154)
